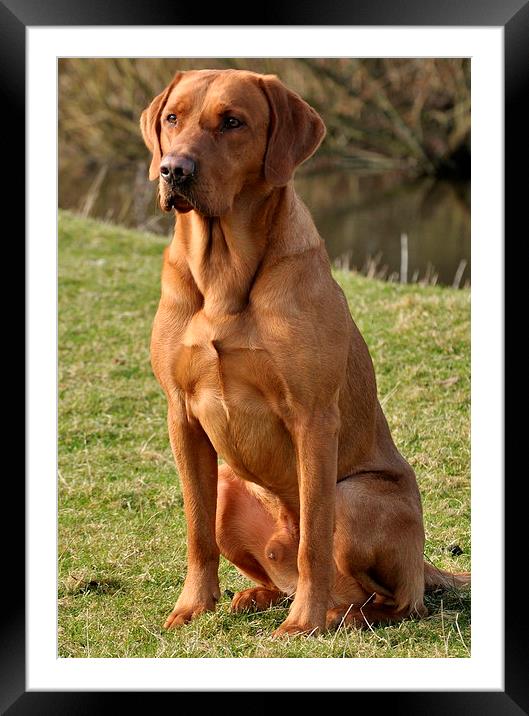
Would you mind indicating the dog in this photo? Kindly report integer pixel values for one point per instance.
(263, 366)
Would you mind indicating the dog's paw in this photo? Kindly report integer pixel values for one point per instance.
(292, 629)
(342, 616)
(182, 615)
(255, 599)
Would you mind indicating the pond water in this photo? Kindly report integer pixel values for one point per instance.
(361, 217)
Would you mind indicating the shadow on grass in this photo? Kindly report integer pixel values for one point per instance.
(442, 601)
(449, 605)
(78, 587)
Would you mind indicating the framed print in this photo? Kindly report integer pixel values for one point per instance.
(40, 673)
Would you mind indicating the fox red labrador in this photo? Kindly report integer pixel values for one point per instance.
(262, 365)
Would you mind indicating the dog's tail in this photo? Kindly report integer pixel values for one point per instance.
(435, 578)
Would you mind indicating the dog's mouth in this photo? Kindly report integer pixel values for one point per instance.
(174, 198)
(180, 203)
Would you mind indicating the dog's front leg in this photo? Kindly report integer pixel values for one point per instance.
(196, 461)
(316, 442)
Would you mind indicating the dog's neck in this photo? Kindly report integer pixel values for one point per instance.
(224, 254)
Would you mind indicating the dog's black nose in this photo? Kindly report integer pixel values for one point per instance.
(177, 168)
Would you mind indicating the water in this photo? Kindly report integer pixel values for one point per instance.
(361, 217)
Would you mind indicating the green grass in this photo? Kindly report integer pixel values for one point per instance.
(121, 524)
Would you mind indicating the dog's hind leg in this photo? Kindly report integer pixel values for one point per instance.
(252, 538)
(378, 551)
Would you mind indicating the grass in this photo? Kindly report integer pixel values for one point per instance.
(121, 525)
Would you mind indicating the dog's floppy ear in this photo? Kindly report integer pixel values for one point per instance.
(150, 126)
(296, 130)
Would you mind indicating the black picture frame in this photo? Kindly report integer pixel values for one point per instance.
(513, 16)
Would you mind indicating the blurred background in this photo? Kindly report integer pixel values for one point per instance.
(389, 189)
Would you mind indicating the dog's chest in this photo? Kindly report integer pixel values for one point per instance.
(232, 387)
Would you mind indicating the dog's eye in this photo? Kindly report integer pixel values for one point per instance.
(231, 123)
(172, 118)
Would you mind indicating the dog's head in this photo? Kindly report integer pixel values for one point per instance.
(214, 132)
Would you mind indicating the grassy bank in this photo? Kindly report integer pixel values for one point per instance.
(121, 526)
